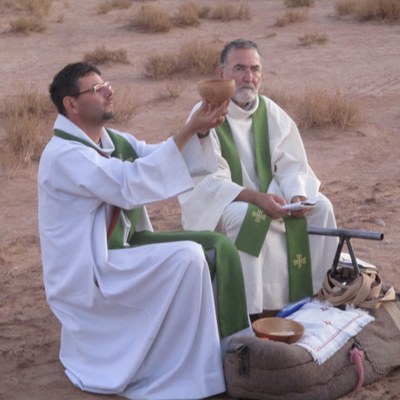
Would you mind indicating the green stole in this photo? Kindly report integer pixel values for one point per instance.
(222, 257)
(254, 229)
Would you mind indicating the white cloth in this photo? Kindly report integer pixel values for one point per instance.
(327, 328)
(210, 205)
(136, 333)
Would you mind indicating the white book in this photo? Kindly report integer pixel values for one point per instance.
(302, 205)
(345, 260)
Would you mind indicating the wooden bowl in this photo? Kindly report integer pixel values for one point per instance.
(216, 91)
(279, 329)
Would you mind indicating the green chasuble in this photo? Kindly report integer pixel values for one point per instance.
(256, 223)
(222, 256)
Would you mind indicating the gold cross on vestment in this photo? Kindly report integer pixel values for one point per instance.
(258, 216)
(299, 261)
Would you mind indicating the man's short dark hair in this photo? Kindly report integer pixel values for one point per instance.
(237, 44)
(65, 83)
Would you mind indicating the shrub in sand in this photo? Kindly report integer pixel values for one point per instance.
(101, 55)
(171, 89)
(33, 22)
(28, 116)
(280, 96)
(195, 57)
(316, 107)
(228, 12)
(310, 38)
(37, 8)
(320, 108)
(161, 66)
(109, 5)
(198, 57)
(365, 10)
(125, 105)
(203, 10)
(291, 17)
(345, 7)
(299, 3)
(150, 19)
(187, 15)
(26, 25)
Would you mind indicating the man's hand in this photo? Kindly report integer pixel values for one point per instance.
(208, 116)
(299, 213)
(204, 118)
(271, 204)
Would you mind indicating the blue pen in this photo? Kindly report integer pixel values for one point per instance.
(292, 307)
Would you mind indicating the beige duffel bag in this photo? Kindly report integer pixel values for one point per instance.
(268, 370)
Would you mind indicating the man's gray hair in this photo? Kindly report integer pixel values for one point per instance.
(237, 44)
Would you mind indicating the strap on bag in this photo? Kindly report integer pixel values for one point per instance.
(365, 290)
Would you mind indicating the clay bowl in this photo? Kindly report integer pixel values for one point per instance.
(279, 329)
(216, 91)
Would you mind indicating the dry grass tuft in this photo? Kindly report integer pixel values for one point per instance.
(317, 108)
(187, 15)
(280, 96)
(299, 3)
(109, 5)
(227, 12)
(195, 57)
(101, 55)
(291, 17)
(26, 102)
(25, 25)
(36, 8)
(150, 19)
(310, 38)
(161, 66)
(322, 109)
(28, 117)
(171, 89)
(345, 7)
(7, 5)
(203, 10)
(60, 18)
(125, 104)
(370, 10)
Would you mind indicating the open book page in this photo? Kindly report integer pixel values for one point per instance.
(301, 205)
(345, 260)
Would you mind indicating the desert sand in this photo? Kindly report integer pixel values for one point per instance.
(358, 166)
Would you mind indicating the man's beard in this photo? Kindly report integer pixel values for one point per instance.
(107, 115)
(245, 95)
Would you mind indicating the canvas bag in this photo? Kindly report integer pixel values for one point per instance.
(268, 370)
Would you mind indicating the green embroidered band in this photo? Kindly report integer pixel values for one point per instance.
(124, 151)
(299, 258)
(224, 264)
(255, 226)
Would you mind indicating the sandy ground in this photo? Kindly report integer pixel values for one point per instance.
(359, 167)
